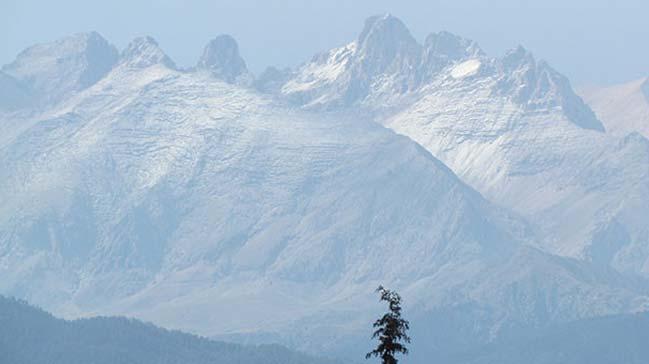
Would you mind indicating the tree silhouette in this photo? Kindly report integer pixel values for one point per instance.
(390, 329)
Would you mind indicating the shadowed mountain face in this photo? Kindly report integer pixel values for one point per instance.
(221, 58)
(188, 198)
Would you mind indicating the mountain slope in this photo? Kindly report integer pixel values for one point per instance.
(153, 174)
(573, 183)
(623, 108)
(31, 336)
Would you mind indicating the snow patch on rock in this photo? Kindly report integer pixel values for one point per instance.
(466, 69)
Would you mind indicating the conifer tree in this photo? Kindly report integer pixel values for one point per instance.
(390, 329)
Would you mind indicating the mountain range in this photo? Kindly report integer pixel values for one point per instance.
(267, 209)
(511, 127)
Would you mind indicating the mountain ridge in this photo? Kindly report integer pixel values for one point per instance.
(167, 193)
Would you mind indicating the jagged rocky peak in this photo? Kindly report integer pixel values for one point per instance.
(452, 46)
(517, 58)
(100, 55)
(384, 41)
(386, 65)
(445, 45)
(385, 45)
(444, 48)
(520, 75)
(384, 29)
(145, 52)
(54, 70)
(536, 85)
(385, 61)
(222, 59)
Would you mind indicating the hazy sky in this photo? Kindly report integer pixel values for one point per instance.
(591, 41)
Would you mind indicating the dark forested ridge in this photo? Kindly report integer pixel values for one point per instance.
(29, 335)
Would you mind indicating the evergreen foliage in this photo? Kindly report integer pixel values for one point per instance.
(390, 329)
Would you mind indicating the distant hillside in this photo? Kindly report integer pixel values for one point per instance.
(623, 108)
(604, 340)
(31, 336)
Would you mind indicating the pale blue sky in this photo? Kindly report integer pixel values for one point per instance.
(591, 41)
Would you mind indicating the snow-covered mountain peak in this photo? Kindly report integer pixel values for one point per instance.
(645, 88)
(386, 68)
(384, 60)
(144, 52)
(51, 71)
(222, 59)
